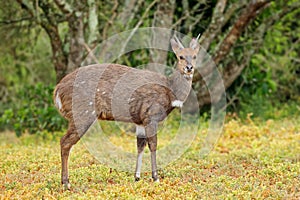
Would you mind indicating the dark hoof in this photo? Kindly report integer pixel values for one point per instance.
(156, 180)
(137, 179)
(66, 186)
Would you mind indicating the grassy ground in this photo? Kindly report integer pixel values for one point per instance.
(252, 160)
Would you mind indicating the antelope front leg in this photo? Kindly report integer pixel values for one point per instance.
(152, 144)
(141, 143)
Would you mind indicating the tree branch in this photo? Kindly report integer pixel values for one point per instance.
(232, 9)
(126, 15)
(26, 5)
(76, 41)
(14, 21)
(110, 20)
(189, 14)
(163, 17)
(49, 24)
(92, 21)
(215, 25)
(64, 6)
(233, 69)
(250, 12)
(138, 24)
(107, 46)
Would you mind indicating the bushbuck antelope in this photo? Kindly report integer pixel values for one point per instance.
(102, 91)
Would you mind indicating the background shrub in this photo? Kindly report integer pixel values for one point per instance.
(32, 111)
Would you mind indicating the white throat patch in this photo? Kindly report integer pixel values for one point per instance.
(177, 103)
(190, 76)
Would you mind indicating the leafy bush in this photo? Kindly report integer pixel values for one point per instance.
(270, 86)
(32, 111)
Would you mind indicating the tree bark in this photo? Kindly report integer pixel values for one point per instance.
(50, 25)
(59, 59)
(231, 72)
(163, 17)
(215, 26)
(249, 13)
(76, 41)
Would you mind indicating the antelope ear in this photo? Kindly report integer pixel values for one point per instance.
(194, 44)
(176, 45)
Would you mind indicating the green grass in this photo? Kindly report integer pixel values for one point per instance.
(252, 160)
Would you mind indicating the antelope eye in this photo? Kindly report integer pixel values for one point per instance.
(181, 57)
(194, 57)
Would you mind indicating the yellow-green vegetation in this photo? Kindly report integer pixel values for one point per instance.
(252, 160)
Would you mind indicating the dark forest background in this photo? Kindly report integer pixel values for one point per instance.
(254, 43)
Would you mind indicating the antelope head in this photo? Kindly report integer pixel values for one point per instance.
(186, 56)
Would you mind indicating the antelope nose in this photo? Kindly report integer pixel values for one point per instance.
(189, 68)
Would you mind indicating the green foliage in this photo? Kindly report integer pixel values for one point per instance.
(27, 62)
(257, 92)
(271, 81)
(279, 55)
(33, 111)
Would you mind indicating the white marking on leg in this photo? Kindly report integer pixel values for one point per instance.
(177, 103)
(139, 165)
(58, 101)
(140, 131)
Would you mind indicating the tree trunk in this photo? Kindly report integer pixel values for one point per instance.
(59, 59)
(163, 18)
(76, 42)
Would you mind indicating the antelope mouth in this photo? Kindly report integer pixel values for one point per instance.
(188, 75)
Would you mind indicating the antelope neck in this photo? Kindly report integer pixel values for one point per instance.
(180, 85)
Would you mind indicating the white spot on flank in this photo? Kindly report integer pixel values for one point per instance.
(93, 112)
(103, 92)
(86, 111)
(91, 103)
(177, 103)
(98, 90)
(58, 101)
(82, 82)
